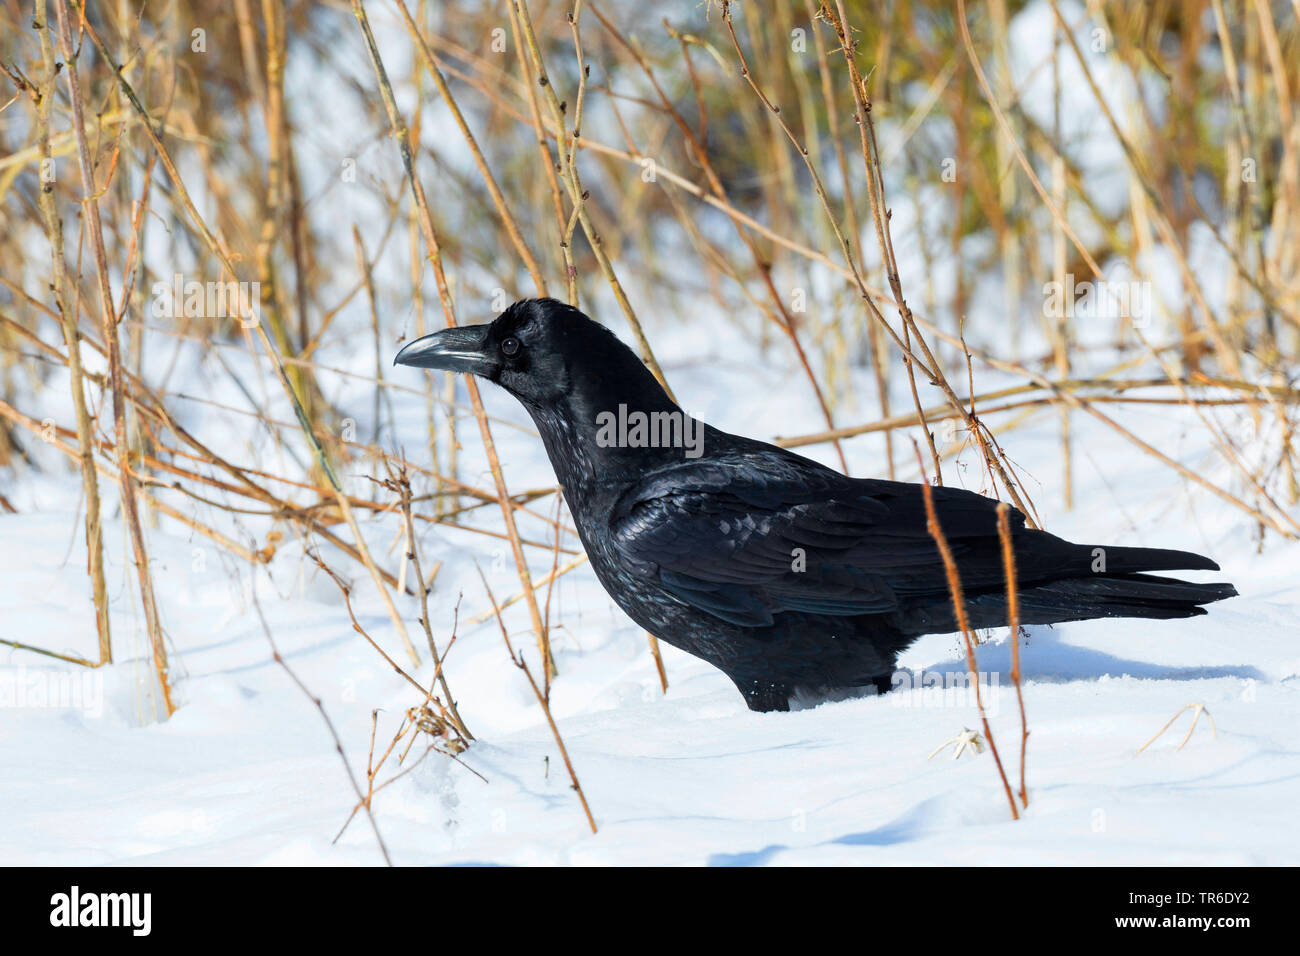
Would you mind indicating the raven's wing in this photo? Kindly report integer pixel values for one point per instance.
(749, 536)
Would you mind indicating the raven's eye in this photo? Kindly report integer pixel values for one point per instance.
(510, 346)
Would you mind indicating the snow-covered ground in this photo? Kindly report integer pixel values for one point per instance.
(246, 772)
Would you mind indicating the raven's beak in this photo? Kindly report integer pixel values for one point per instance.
(460, 349)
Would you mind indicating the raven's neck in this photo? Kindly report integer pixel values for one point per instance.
(602, 444)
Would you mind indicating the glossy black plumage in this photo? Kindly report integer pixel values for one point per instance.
(779, 571)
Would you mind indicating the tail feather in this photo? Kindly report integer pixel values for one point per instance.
(1119, 595)
(1100, 595)
(1116, 560)
(1061, 581)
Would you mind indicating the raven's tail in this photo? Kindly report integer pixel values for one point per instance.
(1116, 560)
(1118, 595)
(1108, 582)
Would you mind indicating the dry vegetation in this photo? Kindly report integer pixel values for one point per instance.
(382, 169)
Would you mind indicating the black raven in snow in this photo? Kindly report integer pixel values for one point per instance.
(782, 573)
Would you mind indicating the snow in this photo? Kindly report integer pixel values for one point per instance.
(245, 772)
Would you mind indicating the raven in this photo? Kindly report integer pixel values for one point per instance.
(784, 574)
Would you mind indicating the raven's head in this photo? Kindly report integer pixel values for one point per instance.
(548, 355)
